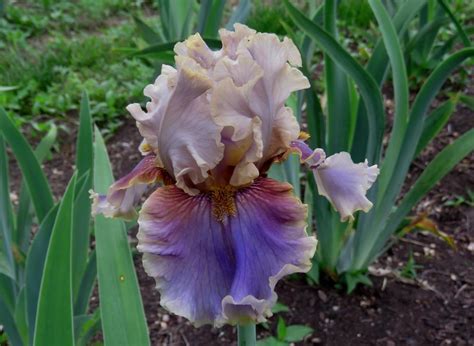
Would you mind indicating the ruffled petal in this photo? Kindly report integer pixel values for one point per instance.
(231, 39)
(269, 233)
(339, 179)
(179, 126)
(345, 183)
(268, 97)
(243, 71)
(242, 135)
(148, 123)
(125, 193)
(195, 48)
(216, 270)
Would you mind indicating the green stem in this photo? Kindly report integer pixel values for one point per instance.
(246, 335)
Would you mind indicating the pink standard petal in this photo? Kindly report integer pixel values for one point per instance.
(179, 126)
(216, 272)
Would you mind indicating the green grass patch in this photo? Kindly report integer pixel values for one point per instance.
(50, 71)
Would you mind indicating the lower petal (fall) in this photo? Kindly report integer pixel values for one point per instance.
(223, 270)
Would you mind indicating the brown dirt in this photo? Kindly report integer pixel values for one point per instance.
(435, 308)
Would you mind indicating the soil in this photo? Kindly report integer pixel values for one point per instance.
(436, 307)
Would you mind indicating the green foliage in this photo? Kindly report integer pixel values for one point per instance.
(180, 19)
(346, 250)
(49, 282)
(269, 18)
(409, 269)
(51, 51)
(286, 334)
(122, 314)
(460, 200)
(48, 79)
(355, 14)
(439, 30)
(55, 296)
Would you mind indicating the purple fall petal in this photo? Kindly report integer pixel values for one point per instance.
(216, 272)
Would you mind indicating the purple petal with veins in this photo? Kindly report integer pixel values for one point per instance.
(216, 272)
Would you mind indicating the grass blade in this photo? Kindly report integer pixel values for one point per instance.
(315, 115)
(55, 304)
(8, 88)
(412, 136)
(87, 285)
(377, 67)
(85, 326)
(368, 88)
(467, 100)
(423, 48)
(415, 126)
(425, 33)
(123, 318)
(34, 177)
(210, 17)
(21, 319)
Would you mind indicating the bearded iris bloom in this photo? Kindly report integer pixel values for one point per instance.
(217, 234)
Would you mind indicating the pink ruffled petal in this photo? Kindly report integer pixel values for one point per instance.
(179, 126)
(195, 48)
(231, 39)
(268, 96)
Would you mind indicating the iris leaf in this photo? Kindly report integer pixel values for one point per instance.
(432, 174)
(35, 265)
(55, 304)
(122, 315)
(24, 214)
(34, 177)
(368, 88)
(400, 86)
(7, 264)
(82, 203)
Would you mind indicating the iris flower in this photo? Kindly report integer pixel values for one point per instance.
(217, 234)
